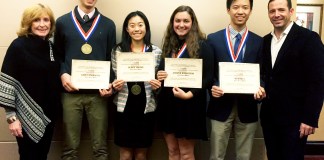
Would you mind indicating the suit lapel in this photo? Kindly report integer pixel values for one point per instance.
(248, 47)
(227, 57)
(267, 52)
(286, 45)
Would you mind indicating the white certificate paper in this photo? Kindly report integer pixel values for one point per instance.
(239, 77)
(90, 74)
(183, 72)
(133, 67)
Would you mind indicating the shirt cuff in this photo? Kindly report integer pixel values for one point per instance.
(10, 113)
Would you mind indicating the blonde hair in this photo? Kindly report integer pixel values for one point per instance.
(30, 15)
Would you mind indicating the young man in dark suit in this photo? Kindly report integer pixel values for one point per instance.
(293, 72)
(237, 111)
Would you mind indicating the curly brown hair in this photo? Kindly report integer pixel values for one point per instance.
(194, 36)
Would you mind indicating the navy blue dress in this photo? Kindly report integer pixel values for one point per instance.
(187, 118)
(133, 128)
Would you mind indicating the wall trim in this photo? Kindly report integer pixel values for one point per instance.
(314, 148)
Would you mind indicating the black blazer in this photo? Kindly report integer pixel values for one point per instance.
(294, 86)
(220, 108)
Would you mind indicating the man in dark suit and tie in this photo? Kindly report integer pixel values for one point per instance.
(293, 72)
(234, 44)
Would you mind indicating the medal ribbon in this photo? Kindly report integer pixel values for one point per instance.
(144, 48)
(85, 35)
(136, 89)
(230, 45)
(181, 51)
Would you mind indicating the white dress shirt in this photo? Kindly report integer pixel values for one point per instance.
(277, 43)
(82, 13)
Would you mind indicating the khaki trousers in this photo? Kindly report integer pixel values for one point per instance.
(243, 135)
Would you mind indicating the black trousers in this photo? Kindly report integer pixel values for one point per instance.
(29, 150)
(283, 142)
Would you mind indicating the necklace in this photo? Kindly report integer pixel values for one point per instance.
(136, 89)
(51, 52)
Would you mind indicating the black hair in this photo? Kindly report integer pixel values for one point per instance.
(126, 40)
(288, 2)
(229, 3)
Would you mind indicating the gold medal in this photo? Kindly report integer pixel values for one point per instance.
(86, 48)
(136, 89)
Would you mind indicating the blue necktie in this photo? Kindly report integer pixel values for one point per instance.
(236, 46)
(237, 43)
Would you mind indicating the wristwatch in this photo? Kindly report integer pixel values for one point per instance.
(11, 119)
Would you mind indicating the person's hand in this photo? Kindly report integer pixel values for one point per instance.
(118, 85)
(260, 94)
(179, 93)
(155, 84)
(161, 75)
(16, 129)
(67, 84)
(217, 91)
(306, 130)
(106, 92)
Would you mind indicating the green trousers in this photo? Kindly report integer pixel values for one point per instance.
(96, 111)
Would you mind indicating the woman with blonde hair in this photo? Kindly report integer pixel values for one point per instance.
(30, 84)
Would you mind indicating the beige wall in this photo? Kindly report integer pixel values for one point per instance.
(211, 14)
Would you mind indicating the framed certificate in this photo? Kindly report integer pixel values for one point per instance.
(135, 66)
(239, 77)
(90, 74)
(183, 72)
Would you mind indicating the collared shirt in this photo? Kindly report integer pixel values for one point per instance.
(233, 34)
(277, 43)
(82, 13)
